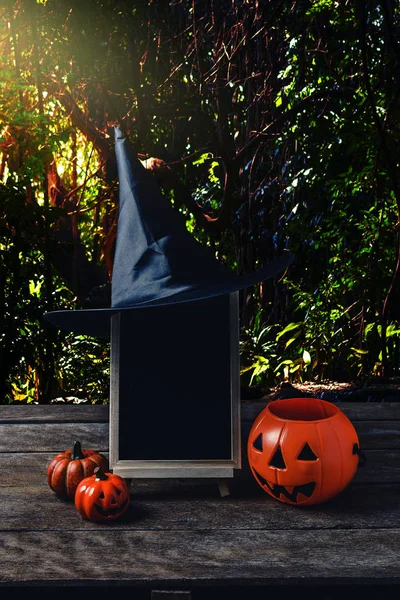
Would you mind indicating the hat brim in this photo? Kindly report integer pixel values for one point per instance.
(96, 321)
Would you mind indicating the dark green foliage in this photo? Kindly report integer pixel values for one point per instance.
(26, 364)
(22, 301)
(279, 127)
(340, 193)
(84, 369)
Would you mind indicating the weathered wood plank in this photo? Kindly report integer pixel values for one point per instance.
(382, 466)
(67, 413)
(382, 434)
(364, 411)
(178, 507)
(224, 557)
(55, 437)
(182, 531)
(52, 437)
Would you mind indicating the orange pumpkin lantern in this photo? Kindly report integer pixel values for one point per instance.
(102, 497)
(303, 450)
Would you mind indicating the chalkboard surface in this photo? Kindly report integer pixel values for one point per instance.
(173, 369)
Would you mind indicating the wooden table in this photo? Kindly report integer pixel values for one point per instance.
(181, 535)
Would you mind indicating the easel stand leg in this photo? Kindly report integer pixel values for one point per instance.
(223, 488)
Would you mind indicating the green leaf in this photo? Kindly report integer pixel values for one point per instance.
(203, 158)
(369, 328)
(284, 362)
(245, 369)
(288, 328)
(391, 330)
(262, 359)
(306, 357)
(294, 338)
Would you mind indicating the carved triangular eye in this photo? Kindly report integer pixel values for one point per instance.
(277, 460)
(307, 453)
(257, 444)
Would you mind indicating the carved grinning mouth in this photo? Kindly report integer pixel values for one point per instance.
(111, 512)
(307, 489)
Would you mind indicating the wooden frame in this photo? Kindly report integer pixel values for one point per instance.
(208, 468)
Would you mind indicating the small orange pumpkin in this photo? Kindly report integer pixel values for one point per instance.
(303, 450)
(102, 497)
(68, 468)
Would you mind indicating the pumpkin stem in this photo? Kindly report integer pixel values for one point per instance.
(76, 451)
(100, 474)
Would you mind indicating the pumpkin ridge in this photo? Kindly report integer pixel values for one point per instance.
(67, 472)
(73, 475)
(279, 444)
(341, 454)
(58, 479)
(50, 470)
(320, 453)
(88, 453)
(86, 466)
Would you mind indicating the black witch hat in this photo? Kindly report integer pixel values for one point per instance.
(156, 261)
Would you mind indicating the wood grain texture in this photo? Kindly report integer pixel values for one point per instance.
(383, 466)
(57, 436)
(180, 533)
(194, 507)
(52, 437)
(66, 413)
(115, 556)
(356, 411)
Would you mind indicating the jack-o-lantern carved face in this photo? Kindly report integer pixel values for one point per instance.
(303, 450)
(102, 497)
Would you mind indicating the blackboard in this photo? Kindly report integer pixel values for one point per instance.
(174, 395)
